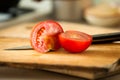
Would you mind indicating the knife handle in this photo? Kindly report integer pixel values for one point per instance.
(106, 38)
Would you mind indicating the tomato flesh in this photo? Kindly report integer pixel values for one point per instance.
(44, 36)
(75, 41)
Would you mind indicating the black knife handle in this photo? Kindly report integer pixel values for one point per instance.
(106, 38)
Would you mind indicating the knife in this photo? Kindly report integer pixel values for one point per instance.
(106, 38)
(97, 39)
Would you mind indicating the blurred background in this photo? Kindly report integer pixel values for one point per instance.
(102, 13)
(18, 11)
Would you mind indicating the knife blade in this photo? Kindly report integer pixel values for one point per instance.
(97, 39)
(27, 47)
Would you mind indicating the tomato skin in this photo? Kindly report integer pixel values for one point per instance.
(77, 44)
(44, 36)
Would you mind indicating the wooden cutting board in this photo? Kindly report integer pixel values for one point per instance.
(97, 61)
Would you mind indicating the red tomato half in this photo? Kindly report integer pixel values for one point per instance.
(75, 41)
(44, 36)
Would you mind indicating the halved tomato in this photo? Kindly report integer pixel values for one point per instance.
(44, 36)
(75, 41)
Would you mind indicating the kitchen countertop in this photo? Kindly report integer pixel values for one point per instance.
(27, 17)
(7, 73)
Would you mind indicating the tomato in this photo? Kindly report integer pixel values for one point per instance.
(75, 41)
(44, 36)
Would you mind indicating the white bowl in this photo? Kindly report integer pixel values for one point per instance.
(112, 21)
(103, 15)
